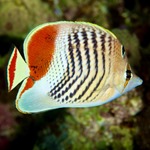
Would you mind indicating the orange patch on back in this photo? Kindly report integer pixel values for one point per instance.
(40, 50)
(28, 85)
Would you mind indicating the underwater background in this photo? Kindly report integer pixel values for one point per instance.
(123, 124)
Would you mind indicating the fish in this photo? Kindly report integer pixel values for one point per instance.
(69, 65)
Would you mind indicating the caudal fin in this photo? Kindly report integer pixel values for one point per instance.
(17, 69)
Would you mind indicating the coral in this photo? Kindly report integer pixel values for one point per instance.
(19, 16)
(102, 125)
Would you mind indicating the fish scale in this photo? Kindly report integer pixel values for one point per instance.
(75, 40)
(69, 64)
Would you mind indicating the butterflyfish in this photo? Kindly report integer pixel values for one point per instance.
(69, 64)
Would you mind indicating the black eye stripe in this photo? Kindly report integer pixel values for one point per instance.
(128, 74)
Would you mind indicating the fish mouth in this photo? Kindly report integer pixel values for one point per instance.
(134, 82)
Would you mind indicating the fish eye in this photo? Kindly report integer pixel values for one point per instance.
(123, 52)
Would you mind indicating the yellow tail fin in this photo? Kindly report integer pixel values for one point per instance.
(17, 69)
